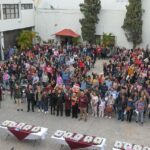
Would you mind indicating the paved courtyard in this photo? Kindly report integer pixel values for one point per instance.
(111, 129)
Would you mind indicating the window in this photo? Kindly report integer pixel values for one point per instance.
(26, 6)
(10, 11)
(98, 39)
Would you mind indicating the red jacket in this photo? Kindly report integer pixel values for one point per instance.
(83, 100)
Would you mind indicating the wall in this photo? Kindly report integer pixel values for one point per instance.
(66, 15)
(146, 24)
(26, 17)
(56, 20)
(113, 25)
(74, 4)
(49, 22)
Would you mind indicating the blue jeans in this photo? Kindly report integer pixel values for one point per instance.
(120, 115)
(45, 107)
(140, 117)
(39, 105)
(6, 84)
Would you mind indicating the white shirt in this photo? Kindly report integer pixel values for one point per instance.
(94, 99)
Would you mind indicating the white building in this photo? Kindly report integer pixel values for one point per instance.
(55, 15)
(15, 15)
(51, 16)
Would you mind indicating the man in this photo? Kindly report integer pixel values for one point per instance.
(17, 97)
(30, 97)
(83, 100)
(60, 100)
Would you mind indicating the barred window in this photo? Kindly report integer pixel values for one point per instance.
(26, 6)
(10, 11)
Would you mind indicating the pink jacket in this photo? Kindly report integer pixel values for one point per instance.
(59, 80)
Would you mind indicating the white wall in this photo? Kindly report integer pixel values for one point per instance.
(74, 4)
(26, 17)
(111, 22)
(51, 21)
(15, 1)
(146, 23)
(111, 17)
(26, 20)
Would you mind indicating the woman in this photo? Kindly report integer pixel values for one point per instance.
(38, 98)
(109, 107)
(74, 105)
(45, 79)
(59, 80)
(140, 105)
(94, 103)
(6, 78)
(95, 81)
(129, 109)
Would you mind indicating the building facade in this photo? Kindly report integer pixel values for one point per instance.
(59, 14)
(50, 16)
(15, 16)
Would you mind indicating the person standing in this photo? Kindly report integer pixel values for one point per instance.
(45, 101)
(38, 99)
(94, 103)
(140, 105)
(17, 97)
(53, 101)
(67, 104)
(102, 105)
(60, 102)
(129, 109)
(74, 105)
(109, 106)
(6, 78)
(83, 100)
(12, 84)
(121, 104)
(30, 98)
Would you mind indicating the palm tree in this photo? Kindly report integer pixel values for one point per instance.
(25, 39)
(108, 40)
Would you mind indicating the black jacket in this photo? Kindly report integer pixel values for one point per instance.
(30, 96)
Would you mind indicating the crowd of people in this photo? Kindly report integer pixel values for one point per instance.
(55, 80)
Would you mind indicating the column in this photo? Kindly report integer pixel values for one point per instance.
(1, 9)
(2, 45)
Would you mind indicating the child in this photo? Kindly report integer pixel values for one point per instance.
(102, 108)
(109, 107)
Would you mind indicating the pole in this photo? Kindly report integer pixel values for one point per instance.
(2, 45)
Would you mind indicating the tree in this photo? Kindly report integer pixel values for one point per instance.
(133, 22)
(90, 10)
(25, 39)
(108, 40)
